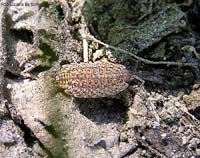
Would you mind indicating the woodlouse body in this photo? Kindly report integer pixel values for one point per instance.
(93, 80)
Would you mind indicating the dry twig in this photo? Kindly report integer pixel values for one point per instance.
(146, 61)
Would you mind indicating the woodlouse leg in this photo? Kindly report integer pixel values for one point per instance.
(73, 105)
(72, 101)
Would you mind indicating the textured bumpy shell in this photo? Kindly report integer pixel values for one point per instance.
(93, 80)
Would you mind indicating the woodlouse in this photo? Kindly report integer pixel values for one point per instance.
(93, 80)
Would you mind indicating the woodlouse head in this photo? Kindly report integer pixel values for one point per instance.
(61, 79)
